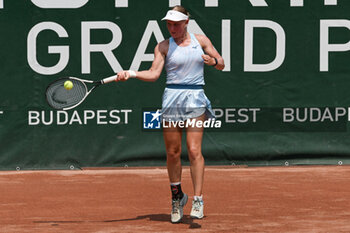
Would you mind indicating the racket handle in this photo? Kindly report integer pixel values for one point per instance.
(109, 79)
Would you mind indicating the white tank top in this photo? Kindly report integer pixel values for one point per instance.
(184, 65)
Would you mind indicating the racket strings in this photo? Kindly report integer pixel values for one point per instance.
(59, 97)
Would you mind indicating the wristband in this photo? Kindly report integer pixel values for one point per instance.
(132, 73)
(216, 61)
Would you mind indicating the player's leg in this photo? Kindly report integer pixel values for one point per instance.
(194, 137)
(172, 139)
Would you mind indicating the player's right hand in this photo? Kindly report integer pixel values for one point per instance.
(122, 76)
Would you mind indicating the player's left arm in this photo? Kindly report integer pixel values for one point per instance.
(211, 56)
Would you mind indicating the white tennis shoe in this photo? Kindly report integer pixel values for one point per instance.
(177, 209)
(197, 209)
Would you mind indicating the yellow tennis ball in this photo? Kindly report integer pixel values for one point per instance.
(68, 85)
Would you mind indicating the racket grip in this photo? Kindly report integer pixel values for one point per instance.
(109, 79)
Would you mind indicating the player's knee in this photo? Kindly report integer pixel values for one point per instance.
(174, 152)
(194, 153)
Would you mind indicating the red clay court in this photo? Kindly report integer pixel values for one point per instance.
(258, 199)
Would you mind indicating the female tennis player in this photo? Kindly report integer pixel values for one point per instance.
(183, 55)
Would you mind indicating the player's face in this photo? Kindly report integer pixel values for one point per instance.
(177, 29)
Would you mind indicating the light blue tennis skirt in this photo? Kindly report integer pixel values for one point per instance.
(182, 102)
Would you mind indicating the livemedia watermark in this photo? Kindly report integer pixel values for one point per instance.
(251, 119)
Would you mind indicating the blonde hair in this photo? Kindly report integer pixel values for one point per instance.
(181, 9)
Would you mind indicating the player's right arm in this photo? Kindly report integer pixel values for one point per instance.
(154, 72)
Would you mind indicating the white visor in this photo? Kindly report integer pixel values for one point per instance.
(175, 16)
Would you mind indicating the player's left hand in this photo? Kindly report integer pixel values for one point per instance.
(208, 60)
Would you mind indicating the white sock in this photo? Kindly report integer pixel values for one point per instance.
(198, 198)
(174, 184)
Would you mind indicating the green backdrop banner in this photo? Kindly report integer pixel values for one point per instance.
(282, 98)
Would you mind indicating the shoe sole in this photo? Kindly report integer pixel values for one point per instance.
(196, 217)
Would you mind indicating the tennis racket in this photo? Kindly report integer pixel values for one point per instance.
(58, 97)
